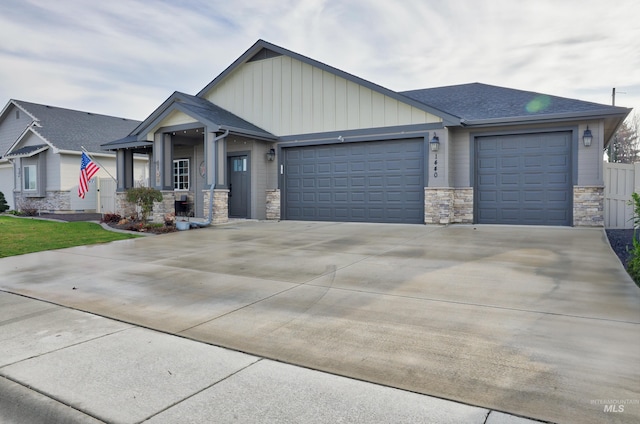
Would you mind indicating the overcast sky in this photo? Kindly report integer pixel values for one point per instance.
(125, 57)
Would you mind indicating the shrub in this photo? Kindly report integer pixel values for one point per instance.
(633, 267)
(28, 208)
(111, 218)
(4, 206)
(144, 198)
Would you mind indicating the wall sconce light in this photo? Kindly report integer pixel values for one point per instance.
(587, 137)
(271, 155)
(434, 143)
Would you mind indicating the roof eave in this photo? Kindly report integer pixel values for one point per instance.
(557, 117)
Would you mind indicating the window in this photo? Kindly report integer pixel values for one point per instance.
(181, 174)
(240, 164)
(29, 175)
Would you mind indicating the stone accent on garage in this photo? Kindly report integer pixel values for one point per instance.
(438, 205)
(273, 204)
(588, 206)
(447, 205)
(463, 205)
(220, 205)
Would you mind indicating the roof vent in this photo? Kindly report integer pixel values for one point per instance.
(264, 54)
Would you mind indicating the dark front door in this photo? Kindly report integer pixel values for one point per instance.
(238, 167)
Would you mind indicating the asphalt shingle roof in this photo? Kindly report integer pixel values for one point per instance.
(69, 129)
(25, 151)
(220, 116)
(478, 101)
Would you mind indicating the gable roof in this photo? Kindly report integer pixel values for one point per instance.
(67, 129)
(265, 49)
(477, 104)
(201, 110)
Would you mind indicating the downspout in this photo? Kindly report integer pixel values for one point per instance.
(210, 218)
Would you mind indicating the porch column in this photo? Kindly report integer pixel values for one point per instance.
(221, 163)
(121, 170)
(162, 162)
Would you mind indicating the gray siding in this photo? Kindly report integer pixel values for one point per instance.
(11, 127)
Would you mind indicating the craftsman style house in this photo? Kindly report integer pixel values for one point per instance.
(278, 135)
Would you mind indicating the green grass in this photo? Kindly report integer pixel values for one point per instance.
(20, 236)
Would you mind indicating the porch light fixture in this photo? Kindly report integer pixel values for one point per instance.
(271, 155)
(434, 143)
(587, 137)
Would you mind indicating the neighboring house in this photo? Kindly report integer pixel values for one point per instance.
(282, 136)
(40, 149)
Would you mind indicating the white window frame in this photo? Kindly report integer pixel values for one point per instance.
(181, 169)
(30, 171)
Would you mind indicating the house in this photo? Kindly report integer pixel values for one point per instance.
(278, 135)
(40, 148)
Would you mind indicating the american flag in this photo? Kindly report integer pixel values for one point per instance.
(87, 170)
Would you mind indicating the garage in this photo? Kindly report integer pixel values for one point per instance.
(524, 179)
(375, 181)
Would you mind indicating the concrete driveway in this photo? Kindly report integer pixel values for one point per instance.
(538, 322)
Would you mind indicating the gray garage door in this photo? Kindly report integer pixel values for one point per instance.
(524, 179)
(381, 181)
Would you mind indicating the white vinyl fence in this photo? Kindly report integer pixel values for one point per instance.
(620, 181)
(107, 198)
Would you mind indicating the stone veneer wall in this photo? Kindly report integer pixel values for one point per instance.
(438, 205)
(220, 205)
(54, 201)
(446, 205)
(588, 206)
(273, 204)
(463, 205)
(167, 206)
(123, 207)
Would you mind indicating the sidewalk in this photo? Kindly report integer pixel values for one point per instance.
(60, 365)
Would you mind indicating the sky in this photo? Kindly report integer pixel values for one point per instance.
(125, 57)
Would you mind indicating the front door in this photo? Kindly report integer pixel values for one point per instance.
(238, 167)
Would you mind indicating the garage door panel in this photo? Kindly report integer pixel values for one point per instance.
(381, 181)
(532, 170)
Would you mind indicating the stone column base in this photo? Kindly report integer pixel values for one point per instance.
(447, 205)
(588, 206)
(220, 205)
(273, 204)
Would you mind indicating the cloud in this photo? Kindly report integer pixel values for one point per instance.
(125, 57)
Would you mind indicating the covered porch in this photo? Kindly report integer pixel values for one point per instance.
(206, 162)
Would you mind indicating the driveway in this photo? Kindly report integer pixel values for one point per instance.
(534, 321)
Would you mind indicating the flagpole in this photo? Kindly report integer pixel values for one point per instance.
(101, 165)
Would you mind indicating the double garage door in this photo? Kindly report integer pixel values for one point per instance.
(524, 179)
(376, 181)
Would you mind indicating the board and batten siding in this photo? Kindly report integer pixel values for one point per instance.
(286, 96)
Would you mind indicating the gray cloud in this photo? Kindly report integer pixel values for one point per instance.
(125, 57)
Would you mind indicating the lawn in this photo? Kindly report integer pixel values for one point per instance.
(20, 236)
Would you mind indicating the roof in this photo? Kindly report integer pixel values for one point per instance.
(27, 151)
(68, 129)
(478, 103)
(202, 110)
(225, 119)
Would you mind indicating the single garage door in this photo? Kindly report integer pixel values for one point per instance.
(524, 179)
(377, 181)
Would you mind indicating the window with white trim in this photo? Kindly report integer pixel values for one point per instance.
(29, 178)
(181, 174)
